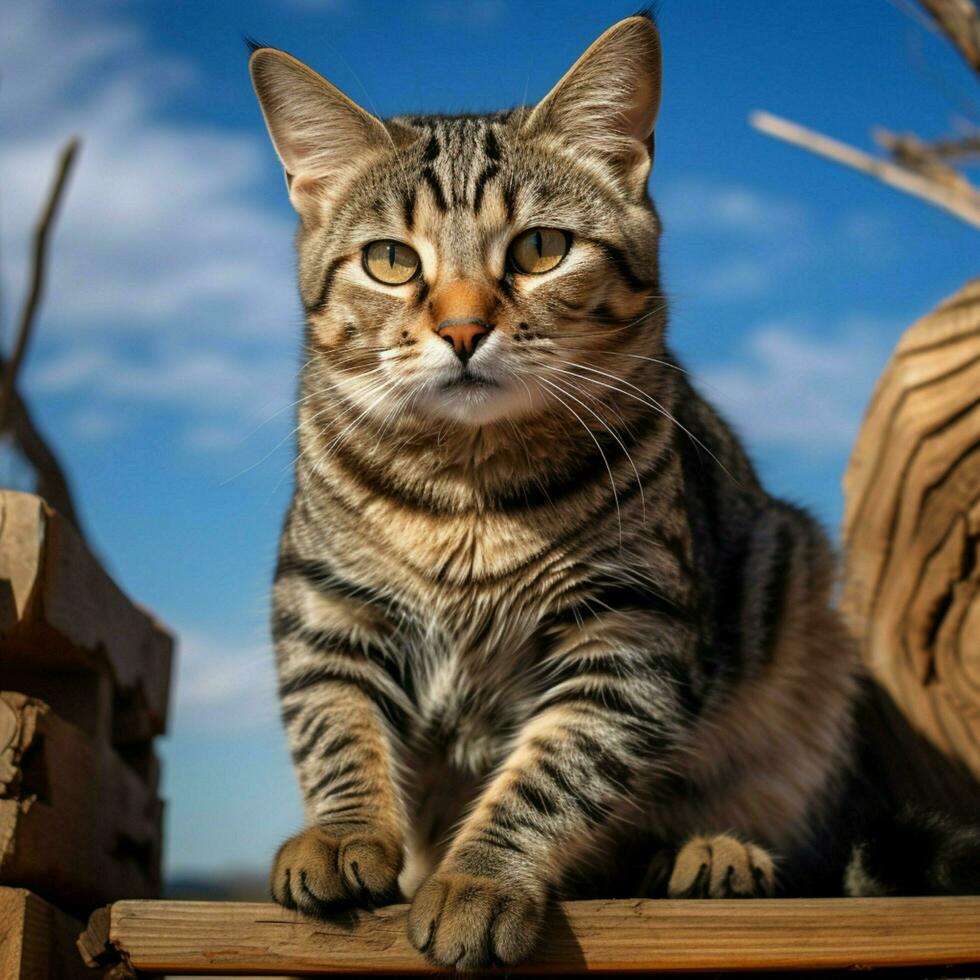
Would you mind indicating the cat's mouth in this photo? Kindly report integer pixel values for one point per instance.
(477, 395)
(468, 382)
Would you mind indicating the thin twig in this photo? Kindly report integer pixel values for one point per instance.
(963, 206)
(909, 151)
(38, 268)
(959, 20)
(963, 148)
(52, 485)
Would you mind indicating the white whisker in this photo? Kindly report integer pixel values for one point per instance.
(612, 480)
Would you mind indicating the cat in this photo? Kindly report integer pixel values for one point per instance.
(540, 630)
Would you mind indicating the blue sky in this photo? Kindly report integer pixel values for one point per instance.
(164, 360)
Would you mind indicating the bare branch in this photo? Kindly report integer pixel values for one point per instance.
(14, 415)
(960, 22)
(38, 268)
(966, 148)
(965, 206)
(911, 152)
(52, 484)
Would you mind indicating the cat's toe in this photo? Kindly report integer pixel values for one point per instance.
(470, 922)
(369, 867)
(318, 872)
(721, 866)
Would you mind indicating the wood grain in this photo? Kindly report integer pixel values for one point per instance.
(77, 825)
(37, 942)
(912, 529)
(184, 938)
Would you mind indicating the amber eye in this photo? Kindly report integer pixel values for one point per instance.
(390, 262)
(539, 250)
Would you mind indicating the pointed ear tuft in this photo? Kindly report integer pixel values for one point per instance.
(318, 132)
(607, 102)
(651, 11)
(252, 44)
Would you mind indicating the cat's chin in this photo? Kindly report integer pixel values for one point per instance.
(475, 402)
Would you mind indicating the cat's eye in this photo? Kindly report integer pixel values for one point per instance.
(391, 262)
(539, 250)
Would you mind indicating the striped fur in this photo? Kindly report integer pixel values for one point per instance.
(536, 608)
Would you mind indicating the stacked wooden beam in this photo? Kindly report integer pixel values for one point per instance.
(84, 686)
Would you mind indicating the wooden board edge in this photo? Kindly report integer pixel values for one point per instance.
(22, 548)
(626, 936)
(37, 939)
(55, 594)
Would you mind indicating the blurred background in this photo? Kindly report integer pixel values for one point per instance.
(163, 363)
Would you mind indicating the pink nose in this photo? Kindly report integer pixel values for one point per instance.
(464, 335)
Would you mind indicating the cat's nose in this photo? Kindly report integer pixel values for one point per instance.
(462, 313)
(463, 334)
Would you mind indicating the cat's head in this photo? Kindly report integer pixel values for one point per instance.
(455, 266)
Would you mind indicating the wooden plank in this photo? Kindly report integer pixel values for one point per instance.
(37, 941)
(185, 938)
(60, 610)
(77, 824)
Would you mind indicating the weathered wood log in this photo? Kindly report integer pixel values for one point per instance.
(912, 529)
(77, 825)
(60, 612)
(182, 938)
(37, 942)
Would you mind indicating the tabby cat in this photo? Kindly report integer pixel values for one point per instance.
(540, 631)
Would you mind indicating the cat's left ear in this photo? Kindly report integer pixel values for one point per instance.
(607, 102)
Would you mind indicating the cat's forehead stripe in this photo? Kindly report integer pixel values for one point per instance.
(459, 155)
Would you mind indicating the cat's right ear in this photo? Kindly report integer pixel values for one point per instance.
(317, 131)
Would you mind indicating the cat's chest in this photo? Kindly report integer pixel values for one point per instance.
(472, 689)
(472, 557)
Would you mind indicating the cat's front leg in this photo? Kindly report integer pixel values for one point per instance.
(605, 726)
(351, 852)
(343, 712)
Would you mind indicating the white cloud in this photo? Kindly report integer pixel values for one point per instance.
(870, 234)
(157, 229)
(207, 379)
(210, 438)
(790, 388)
(735, 277)
(702, 205)
(96, 424)
(222, 686)
(162, 233)
(743, 240)
(27, 89)
(223, 393)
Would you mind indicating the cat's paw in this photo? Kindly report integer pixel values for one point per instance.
(318, 872)
(470, 922)
(721, 867)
